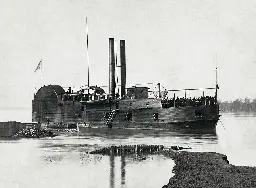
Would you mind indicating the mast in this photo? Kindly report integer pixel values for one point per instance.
(217, 86)
(216, 79)
(87, 55)
(39, 109)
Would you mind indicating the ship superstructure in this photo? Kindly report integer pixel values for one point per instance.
(132, 107)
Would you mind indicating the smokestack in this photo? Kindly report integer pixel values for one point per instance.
(123, 67)
(112, 83)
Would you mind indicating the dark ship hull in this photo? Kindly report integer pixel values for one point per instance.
(123, 113)
(133, 108)
(149, 113)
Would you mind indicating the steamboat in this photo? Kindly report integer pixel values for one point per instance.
(132, 107)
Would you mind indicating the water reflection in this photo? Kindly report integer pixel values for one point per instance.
(64, 161)
(182, 137)
(112, 171)
(101, 171)
(115, 133)
(128, 172)
(122, 171)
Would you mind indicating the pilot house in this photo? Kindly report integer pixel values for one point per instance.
(137, 92)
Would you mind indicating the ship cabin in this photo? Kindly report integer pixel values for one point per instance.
(98, 94)
(137, 92)
(95, 94)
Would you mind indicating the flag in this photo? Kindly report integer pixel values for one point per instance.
(39, 66)
(35, 90)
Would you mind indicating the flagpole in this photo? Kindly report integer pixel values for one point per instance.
(39, 66)
(87, 55)
(216, 79)
(41, 97)
(41, 72)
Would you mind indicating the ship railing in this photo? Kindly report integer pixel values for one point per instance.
(82, 97)
(184, 102)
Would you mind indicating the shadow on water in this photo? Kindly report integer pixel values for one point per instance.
(124, 133)
(124, 173)
(93, 138)
(112, 171)
(122, 170)
(64, 161)
(70, 150)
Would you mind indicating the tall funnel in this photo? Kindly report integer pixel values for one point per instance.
(123, 67)
(112, 83)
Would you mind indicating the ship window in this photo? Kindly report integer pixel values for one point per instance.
(197, 113)
(117, 105)
(128, 116)
(82, 108)
(155, 116)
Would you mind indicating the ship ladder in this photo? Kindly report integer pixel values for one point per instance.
(110, 118)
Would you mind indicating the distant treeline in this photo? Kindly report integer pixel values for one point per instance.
(239, 105)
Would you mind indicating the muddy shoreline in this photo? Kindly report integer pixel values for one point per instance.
(193, 169)
(208, 169)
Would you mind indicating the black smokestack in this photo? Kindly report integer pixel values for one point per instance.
(123, 67)
(112, 83)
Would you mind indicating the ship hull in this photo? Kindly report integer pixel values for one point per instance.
(151, 116)
(198, 124)
(121, 113)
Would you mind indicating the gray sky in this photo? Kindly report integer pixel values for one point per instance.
(175, 42)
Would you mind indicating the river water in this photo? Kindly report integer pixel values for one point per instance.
(63, 161)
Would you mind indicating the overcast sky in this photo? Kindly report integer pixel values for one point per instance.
(175, 42)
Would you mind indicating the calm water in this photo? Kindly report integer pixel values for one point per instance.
(62, 161)
(237, 138)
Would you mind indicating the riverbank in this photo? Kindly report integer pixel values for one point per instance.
(208, 169)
